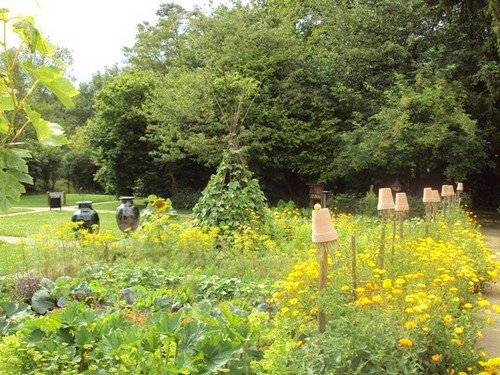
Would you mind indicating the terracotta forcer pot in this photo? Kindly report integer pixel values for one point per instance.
(451, 192)
(435, 196)
(401, 202)
(322, 226)
(385, 200)
(427, 198)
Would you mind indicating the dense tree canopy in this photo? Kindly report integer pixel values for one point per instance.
(349, 93)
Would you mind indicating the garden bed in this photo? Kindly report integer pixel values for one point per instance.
(173, 298)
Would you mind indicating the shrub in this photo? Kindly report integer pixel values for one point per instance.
(186, 198)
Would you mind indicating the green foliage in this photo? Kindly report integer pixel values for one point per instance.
(422, 127)
(186, 198)
(337, 90)
(116, 132)
(16, 112)
(232, 196)
(354, 204)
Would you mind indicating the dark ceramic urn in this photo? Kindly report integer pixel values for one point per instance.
(127, 215)
(87, 216)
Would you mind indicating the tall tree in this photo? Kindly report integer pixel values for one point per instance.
(116, 131)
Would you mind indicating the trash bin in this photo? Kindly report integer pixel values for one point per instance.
(55, 199)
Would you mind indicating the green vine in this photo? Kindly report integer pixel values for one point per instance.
(232, 197)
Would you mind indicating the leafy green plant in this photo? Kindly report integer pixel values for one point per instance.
(16, 113)
(231, 196)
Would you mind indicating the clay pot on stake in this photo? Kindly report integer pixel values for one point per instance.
(436, 199)
(460, 188)
(324, 234)
(401, 209)
(428, 200)
(451, 198)
(447, 195)
(385, 209)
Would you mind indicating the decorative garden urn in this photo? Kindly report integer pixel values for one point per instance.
(127, 215)
(87, 216)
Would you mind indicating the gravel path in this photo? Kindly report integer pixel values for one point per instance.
(491, 341)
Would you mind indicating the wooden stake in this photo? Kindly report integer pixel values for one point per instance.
(394, 221)
(323, 278)
(354, 268)
(384, 214)
(428, 209)
(401, 218)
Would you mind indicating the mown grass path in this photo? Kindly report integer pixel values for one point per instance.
(491, 341)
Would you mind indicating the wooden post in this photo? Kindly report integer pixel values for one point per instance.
(381, 260)
(401, 226)
(354, 268)
(428, 210)
(394, 221)
(323, 278)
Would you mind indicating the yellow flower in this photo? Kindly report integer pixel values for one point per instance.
(467, 305)
(436, 358)
(405, 342)
(410, 324)
(299, 343)
(457, 342)
(447, 319)
(363, 301)
(284, 310)
(423, 318)
(483, 303)
(459, 330)
(387, 284)
(345, 288)
(496, 308)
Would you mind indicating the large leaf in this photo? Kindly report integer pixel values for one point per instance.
(7, 101)
(52, 77)
(218, 352)
(14, 159)
(83, 337)
(13, 173)
(41, 301)
(12, 309)
(48, 133)
(30, 35)
(4, 124)
(4, 14)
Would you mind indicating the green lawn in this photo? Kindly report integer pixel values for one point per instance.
(28, 224)
(14, 210)
(40, 199)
